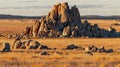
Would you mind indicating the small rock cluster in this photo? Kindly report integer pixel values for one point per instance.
(73, 47)
(91, 48)
(29, 44)
(63, 21)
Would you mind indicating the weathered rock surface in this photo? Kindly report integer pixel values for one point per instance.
(63, 21)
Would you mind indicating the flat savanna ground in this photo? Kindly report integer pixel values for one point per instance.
(66, 58)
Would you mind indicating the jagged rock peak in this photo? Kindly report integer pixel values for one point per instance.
(62, 12)
(63, 21)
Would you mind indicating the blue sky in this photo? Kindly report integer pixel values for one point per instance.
(42, 7)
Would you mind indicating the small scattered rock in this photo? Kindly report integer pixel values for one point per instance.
(102, 49)
(72, 46)
(6, 47)
(45, 53)
(89, 53)
(9, 36)
(109, 51)
(44, 47)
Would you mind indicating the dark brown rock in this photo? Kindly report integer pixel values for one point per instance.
(75, 14)
(17, 43)
(44, 53)
(6, 47)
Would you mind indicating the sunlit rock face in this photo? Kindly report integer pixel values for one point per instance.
(65, 21)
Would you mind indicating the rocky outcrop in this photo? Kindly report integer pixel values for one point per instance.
(28, 44)
(63, 21)
(93, 48)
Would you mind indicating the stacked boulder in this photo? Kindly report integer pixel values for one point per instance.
(63, 21)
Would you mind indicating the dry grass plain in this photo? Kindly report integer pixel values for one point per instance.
(68, 58)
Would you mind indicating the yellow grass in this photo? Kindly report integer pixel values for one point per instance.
(14, 26)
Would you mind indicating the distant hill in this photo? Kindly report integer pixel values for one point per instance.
(4, 16)
(99, 17)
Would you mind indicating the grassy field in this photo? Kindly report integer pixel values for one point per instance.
(66, 58)
(14, 26)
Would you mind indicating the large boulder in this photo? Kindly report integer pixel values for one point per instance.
(17, 44)
(66, 31)
(26, 31)
(43, 30)
(43, 26)
(36, 27)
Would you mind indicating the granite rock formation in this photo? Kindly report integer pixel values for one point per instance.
(63, 21)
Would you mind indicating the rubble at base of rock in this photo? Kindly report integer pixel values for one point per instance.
(63, 21)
